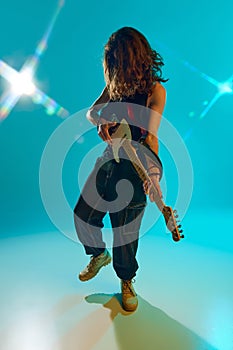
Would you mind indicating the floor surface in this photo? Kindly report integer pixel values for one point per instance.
(185, 293)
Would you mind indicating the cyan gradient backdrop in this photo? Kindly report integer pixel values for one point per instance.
(70, 71)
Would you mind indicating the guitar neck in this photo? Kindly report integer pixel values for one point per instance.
(139, 167)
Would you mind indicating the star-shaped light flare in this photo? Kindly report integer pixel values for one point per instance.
(22, 82)
(223, 88)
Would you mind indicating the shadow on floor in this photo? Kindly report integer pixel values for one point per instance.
(149, 328)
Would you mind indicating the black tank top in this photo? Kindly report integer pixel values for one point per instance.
(128, 109)
(135, 116)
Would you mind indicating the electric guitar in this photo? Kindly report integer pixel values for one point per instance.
(121, 137)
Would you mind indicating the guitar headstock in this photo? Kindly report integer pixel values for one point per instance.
(170, 217)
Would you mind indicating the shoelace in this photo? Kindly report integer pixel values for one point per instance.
(92, 262)
(128, 287)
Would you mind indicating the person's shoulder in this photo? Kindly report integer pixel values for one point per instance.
(158, 88)
(158, 94)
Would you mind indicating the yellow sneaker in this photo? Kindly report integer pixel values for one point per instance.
(95, 265)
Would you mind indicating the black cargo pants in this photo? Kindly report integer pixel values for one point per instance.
(115, 188)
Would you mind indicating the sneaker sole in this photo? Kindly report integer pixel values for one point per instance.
(129, 308)
(84, 279)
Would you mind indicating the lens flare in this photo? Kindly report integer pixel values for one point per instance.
(22, 82)
(222, 88)
(225, 88)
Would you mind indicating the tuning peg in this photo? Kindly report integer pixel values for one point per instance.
(174, 211)
(179, 226)
(180, 231)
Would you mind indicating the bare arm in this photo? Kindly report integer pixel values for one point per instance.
(92, 113)
(156, 102)
(94, 117)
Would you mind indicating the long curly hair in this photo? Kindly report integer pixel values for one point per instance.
(130, 64)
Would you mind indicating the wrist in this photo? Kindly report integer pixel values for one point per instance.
(153, 168)
(154, 171)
